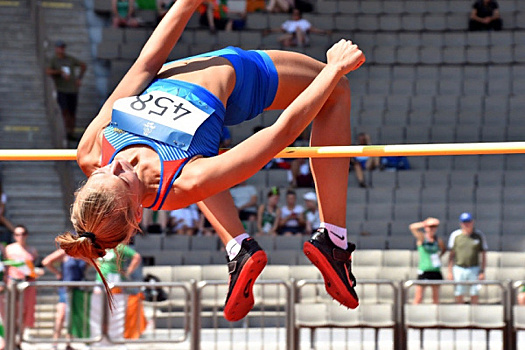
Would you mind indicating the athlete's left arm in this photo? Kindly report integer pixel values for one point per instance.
(153, 55)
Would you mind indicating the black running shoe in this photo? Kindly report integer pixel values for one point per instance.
(335, 266)
(243, 270)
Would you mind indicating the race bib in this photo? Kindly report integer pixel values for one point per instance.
(436, 261)
(161, 116)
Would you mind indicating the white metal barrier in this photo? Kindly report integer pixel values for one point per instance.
(282, 308)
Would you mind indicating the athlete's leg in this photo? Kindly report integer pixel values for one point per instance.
(222, 214)
(330, 127)
(246, 261)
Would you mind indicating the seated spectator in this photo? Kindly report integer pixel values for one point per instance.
(255, 5)
(297, 31)
(123, 12)
(311, 213)
(300, 174)
(245, 198)
(359, 164)
(485, 16)
(3, 220)
(216, 16)
(292, 219)
(269, 213)
(154, 221)
(162, 7)
(280, 6)
(184, 221)
(204, 226)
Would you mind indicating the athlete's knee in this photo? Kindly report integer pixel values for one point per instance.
(341, 94)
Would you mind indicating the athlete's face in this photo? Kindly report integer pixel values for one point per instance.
(119, 174)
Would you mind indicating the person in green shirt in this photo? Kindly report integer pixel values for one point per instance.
(111, 265)
(430, 249)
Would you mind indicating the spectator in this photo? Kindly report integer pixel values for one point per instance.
(162, 7)
(292, 220)
(22, 258)
(311, 214)
(360, 164)
(2, 302)
(245, 199)
(3, 220)
(297, 31)
(216, 16)
(184, 221)
(269, 213)
(127, 319)
(485, 16)
(123, 12)
(71, 269)
(300, 174)
(282, 6)
(521, 296)
(154, 221)
(67, 73)
(205, 227)
(466, 244)
(430, 249)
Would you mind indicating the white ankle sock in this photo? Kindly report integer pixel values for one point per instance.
(337, 235)
(234, 245)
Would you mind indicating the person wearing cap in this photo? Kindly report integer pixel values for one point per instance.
(311, 213)
(430, 249)
(269, 213)
(67, 73)
(466, 245)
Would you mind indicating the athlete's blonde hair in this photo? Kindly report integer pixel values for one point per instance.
(103, 218)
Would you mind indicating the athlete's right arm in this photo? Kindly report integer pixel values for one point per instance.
(153, 55)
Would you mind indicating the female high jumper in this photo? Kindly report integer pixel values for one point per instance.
(155, 143)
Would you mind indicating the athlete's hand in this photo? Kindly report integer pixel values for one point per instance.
(346, 56)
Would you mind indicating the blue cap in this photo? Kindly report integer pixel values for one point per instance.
(60, 43)
(465, 217)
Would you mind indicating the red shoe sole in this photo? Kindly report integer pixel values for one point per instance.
(241, 300)
(333, 284)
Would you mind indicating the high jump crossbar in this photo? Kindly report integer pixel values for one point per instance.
(432, 149)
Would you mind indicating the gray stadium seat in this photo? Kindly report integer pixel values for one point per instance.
(489, 177)
(437, 210)
(372, 7)
(457, 21)
(390, 23)
(377, 227)
(370, 257)
(408, 55)
(371, 242)
(455, 39)
(435, 21)
(461, 178)
(417, 134)
(209, 243)
(467, 162)
(440, 133)
(393, 134)
(478, 39)
(412, 39)
(461, 195)
(488, 211)
(477, 55)
(476, 87)
(430, 55)
(467, 133)
(368, 22)
(408, 212)
(492, 133)
(379, 211)
(454, 55)
(408, 194)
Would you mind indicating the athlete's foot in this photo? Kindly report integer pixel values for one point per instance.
(335, 266)
(243, 270)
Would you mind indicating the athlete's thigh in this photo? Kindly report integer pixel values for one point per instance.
(296, 71)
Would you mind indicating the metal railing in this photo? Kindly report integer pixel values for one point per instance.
(194, 308)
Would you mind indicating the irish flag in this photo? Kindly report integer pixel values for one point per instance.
(126, 321)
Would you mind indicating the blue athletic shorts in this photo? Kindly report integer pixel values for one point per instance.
(256, 83)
